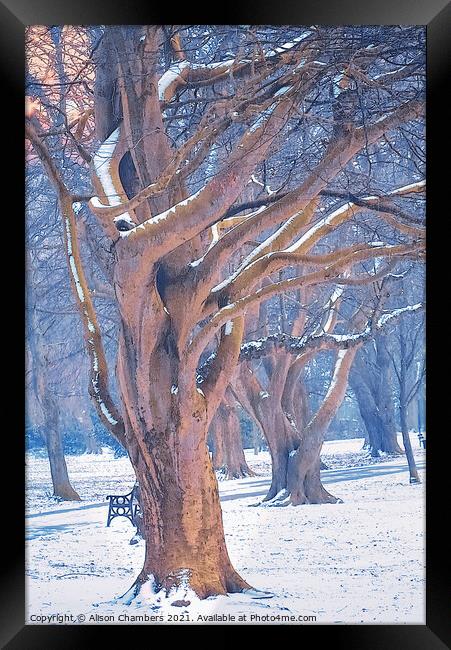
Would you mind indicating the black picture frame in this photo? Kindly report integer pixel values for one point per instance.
(15, 15)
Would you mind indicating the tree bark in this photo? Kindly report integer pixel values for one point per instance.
(304, 483)
(385, 398)
(166, 426)
(217, 438)
(372, 420)
(414, 478)
(228, 457)
(266, 409)
(375, 401)
(62, 487)
(403, 407)
(53, 440)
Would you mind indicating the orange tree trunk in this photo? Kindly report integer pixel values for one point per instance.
(217, 439)
(265, 408)
(166, 425)
(228, 455)
(304, 484)
(283, 415)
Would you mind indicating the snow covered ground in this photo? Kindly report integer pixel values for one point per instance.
(360, 561)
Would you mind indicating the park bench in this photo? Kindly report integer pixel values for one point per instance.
(124, 505)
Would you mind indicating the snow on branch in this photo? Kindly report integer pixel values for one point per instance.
(299, 344)
(184, 72)
(324, 275)
(102, 164)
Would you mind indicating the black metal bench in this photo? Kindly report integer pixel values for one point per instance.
(124, 505)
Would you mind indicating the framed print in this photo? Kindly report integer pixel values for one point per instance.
(225, 322)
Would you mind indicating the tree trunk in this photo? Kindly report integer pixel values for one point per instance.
(229, 460)
(52, 436)
(403, 406)
(281, 440)
(166, 430)
(53, 440)
(182, 519)
(58, 468)
(385, 399)
(304, 482)
(375, 404)
(414, 478)
(217, 438)
(303, 478)
(374, 424)
(282, 435)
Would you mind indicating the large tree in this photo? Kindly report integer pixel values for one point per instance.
(184, 118)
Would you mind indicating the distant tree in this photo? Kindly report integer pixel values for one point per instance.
(295, 435)
(372, 384)
(228, 455)
(41, 389)
(407, 356)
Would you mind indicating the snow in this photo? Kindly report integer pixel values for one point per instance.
(289, 45)
(73, 267)
(102, 161)
(387, 317)
(412, 187)
(329, 306)
(267, 188)
(228, 328)
(360, 561)
(335, 81)
(350, 337)
(340, 357)
(103, 406)
(311, 232)
(74, 272)
(257, 345)
(255, 180)
(176, 69)
(196, 262)
(162, 216)
(106, 413)
(246, 261)
(169, 76)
